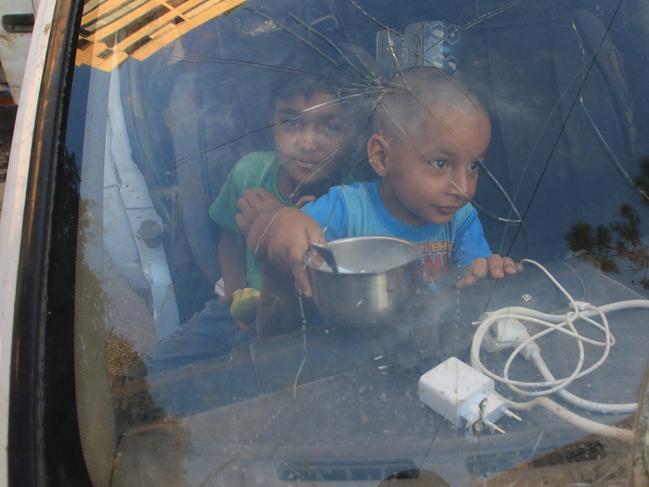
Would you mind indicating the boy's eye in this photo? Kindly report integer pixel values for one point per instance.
(474, 167)
(439, 163)
(291, 122)
(334, 127)
(331, 126)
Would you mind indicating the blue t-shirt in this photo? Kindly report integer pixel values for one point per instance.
(357, 210)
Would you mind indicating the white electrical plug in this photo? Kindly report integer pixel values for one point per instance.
(463, 395)
(508, 332)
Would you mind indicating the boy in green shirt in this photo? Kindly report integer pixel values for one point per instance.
(316, 123)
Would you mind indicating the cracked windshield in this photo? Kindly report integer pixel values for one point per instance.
(354, 242)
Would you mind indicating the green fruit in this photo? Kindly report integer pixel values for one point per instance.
(244, 304)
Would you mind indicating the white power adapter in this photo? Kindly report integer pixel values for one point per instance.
(463, 395)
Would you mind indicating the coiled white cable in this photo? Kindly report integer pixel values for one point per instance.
(526, 345)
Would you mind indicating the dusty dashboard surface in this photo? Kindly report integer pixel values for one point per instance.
(344, 404)
(169, 97)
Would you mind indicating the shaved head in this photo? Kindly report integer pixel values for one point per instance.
(420, 93)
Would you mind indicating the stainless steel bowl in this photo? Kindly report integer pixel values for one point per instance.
(379, 275)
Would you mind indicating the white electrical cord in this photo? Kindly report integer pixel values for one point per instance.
(514, 335)
(585, 424)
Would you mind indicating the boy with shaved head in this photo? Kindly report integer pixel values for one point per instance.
(430, 134)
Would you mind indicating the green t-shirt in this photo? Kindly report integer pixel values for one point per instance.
(253, 171)
(257, 170)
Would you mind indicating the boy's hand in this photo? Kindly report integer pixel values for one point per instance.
(283, 237)
(493, 266)
(256, 201)
(251, 205)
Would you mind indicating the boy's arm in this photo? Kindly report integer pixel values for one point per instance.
(261, 219)
(282, 238)
(232, 259)
(231, 248)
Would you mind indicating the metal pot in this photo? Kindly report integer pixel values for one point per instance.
(377, 277)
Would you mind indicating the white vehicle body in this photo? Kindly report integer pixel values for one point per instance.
(13, 206)
(14, 41)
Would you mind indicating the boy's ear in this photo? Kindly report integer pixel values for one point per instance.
(377, 151)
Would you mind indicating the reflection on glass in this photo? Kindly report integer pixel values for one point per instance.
(621, 240)
(112, 31)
